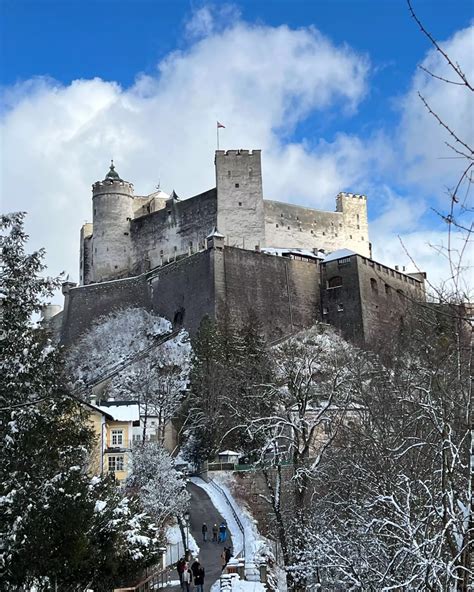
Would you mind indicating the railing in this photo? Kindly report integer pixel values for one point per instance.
(234, 513)
(160, 579)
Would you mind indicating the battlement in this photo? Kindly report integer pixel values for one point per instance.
(240, 152)
(351, 195)
(112, 186)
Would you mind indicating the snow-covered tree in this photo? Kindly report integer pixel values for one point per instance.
(52, 534)
(159, 487)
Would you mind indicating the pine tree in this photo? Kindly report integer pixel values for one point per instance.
(59, 527)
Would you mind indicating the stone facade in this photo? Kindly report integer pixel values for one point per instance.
(132, 234)
(229, 251)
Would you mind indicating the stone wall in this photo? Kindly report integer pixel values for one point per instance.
(288, 225)
(183, 292)
(179, 228)
(283, 293)
(364, 299)
(85, 304)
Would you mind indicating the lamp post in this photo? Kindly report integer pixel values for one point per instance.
(187, 518)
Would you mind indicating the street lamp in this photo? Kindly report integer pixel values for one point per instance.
(187, 518)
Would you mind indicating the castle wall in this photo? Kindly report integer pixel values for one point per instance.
(371, 300)
(85, 304)
(179, 228)
(183, 292)
(283, 293)
(240, 213)
(292, 226)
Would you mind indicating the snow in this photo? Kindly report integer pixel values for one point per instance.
(295, 251)
(339, 254)
(254, 543)
(99, 506)
(228, 453)
(128, 412)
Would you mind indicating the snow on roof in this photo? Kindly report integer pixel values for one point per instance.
(227, 453)
(215, 234)
(339, 254)
(295, 251)
(121, 411)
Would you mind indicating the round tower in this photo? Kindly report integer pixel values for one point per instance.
(112, 202)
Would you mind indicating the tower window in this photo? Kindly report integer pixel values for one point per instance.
(325, 310)
(240, 203)
(373, 285)
(237, 185)
(350, 236)
(340, 307)
(289, 228)
(335, 282)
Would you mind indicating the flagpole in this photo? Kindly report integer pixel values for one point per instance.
(217, 125)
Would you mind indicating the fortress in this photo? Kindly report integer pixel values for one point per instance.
(230, 250)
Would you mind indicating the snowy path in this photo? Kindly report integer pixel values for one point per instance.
(203, 510)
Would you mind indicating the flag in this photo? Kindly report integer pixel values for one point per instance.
(220, 125)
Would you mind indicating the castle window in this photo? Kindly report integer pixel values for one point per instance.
(276, 225)
(324, 234)
(357, 217)
(361, 238)
(325, 310)
(169, 212)
(240, 203)
(237, 185)
(340, 307)
(335, 282)
(281, 215)
(288, 228)
(373, 285)
(358, 227)
(229, 173)
(350, 236)
(115, 266)
(297, 217)
(388, 290)
(312, 232)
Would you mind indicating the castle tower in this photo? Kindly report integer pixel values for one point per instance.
(112, 201)
(355, 222)
(240, 211)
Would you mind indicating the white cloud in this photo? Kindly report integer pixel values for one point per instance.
(261, 82)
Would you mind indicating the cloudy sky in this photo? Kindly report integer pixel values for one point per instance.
(327, 89)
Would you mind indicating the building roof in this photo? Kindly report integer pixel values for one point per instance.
(121, 410)
(112, 175)
(215, 234)
(339, 254)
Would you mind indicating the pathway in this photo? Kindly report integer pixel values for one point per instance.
(203, 510)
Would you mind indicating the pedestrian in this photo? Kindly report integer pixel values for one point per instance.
(228, 554)
(215, 531)
(180, 569)
(222, 532)
(199, 579)
(223, 559)
(195, 566)
(187, 578)
(204, 532)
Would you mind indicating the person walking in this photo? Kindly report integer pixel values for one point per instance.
(195, 566)
(204, 532)
(180, 569)
(215, 532)
(187, 578)
(199, 579)
(222, 532)
(228, 554)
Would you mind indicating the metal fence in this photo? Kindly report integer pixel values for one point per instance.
(156, 581)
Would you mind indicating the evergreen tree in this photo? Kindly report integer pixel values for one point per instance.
(59, 527)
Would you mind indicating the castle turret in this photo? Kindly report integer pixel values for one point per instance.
(240, 212)
(112, 201)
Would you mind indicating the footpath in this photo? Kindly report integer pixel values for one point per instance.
(202, 510)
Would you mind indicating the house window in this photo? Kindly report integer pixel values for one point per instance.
(116, 463)
(117, 437)
(335, 282)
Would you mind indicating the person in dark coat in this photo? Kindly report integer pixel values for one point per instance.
(228, 554)
(195, 566)
(215, 532)
(180, 569)
(199, 579)
(204, 532)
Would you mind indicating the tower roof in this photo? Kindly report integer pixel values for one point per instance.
(112, 175)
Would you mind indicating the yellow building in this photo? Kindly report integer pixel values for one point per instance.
(113, 423)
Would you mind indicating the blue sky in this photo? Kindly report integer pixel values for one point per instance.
(326, 88)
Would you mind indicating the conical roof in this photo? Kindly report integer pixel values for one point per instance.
(112, 175)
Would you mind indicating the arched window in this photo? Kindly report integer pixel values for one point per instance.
(373, 285)
(335, 282)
